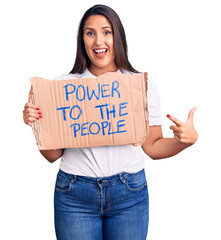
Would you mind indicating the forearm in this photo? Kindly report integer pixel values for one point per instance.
(52, 155)
(167, 147)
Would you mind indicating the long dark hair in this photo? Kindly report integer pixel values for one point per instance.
(82, 61)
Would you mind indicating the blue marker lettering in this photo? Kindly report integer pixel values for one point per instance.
(122, 107)
(115, 88)
(104, 125)
(75, 129)
(82, 129)
(104, 90)
(80, 112)
(110, 129)
(93, 93)
(83, 93)
(101, 110)
(112, 111)
(120, 125)
(63, 110)
(69, 92)
(97, 126)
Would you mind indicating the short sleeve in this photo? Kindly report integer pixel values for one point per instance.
(69, 76)
(153, 101)
(61, 77)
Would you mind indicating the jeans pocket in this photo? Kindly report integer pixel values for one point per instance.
(135, 181)
(64, 182)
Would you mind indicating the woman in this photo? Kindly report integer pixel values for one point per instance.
(101, 192)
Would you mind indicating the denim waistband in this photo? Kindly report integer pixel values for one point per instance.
(109, 179)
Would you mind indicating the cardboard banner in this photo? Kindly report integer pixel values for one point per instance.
(88, 112)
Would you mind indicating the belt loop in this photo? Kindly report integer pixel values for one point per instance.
(121, 178)
(74, 178)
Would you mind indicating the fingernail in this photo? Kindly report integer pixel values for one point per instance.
(168, 115)
(37, 118)
(39, 112)
(40, 116)
(37, 108)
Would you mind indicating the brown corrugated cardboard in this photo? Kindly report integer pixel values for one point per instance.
(107, 110)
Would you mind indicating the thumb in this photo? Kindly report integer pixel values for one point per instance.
(191, 113)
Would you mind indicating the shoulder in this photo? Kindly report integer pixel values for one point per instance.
(70, 76)
(85, 74)
(150, 79)
(124, 71)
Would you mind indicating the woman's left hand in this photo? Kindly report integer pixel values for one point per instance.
(184, 132)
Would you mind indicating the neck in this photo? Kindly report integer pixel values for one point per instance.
(96, 71)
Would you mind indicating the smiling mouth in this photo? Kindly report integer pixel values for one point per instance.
(100, 51)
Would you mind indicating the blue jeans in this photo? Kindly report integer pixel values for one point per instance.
(105, 208)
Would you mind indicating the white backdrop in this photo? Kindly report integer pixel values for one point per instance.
(178, 44)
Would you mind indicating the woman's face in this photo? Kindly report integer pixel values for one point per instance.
(99, 45)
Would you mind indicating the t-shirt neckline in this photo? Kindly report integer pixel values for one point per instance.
(90, 74)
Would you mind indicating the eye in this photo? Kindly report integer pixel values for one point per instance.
(90, 33)
(107, 32)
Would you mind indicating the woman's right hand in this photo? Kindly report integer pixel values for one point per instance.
(31, 113)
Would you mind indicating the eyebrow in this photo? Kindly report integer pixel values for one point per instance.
(88, 28)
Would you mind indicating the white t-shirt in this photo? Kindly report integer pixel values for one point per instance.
(105, 161)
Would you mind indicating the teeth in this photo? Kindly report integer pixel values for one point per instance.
(100, 50)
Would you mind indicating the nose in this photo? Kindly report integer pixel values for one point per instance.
(99, 39)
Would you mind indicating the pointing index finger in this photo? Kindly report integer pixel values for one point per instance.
(175, 120)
